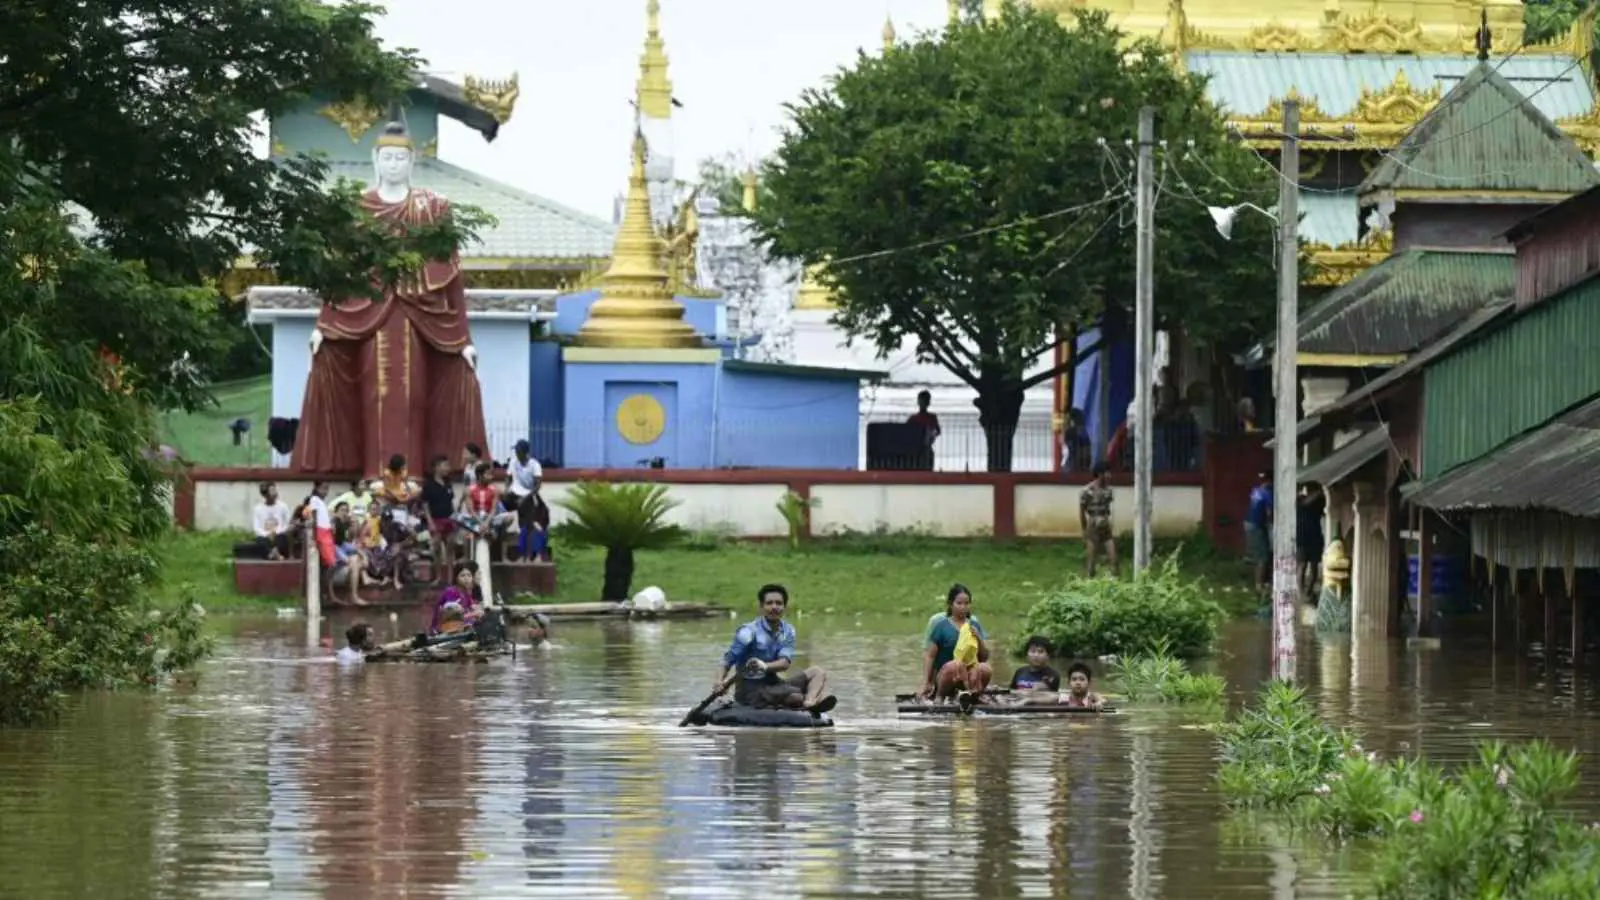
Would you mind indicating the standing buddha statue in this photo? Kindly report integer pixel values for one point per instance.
(396, 374)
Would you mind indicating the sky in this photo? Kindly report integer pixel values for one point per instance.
(734, 63)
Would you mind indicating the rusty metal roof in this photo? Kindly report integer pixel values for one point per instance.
(1483, 136)
(1406, 301)
(1555, 467)
(1334, 467)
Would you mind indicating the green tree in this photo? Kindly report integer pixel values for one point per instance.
(128, 186)
(933, 180)
(722, 177)
(1550, 19)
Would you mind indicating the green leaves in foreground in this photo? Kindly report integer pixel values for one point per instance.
(620, 516)
(1496, 828)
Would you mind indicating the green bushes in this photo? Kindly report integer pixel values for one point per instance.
(78, 617)
(1158, 676)
(1100, 616)
(1493, 829)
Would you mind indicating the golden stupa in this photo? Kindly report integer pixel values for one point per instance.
(636, 308)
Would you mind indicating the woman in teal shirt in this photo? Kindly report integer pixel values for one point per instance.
(942, 676)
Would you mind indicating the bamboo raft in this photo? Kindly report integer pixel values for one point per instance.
(573, 611)
(482, 642)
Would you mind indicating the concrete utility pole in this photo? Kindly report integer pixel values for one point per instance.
(1285, 469)
(1144, 326)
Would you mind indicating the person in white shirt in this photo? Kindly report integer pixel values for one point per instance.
(524, 474)
(317, 511)
(272, 523)
(360, 642)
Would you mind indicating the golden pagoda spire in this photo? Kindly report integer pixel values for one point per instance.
(888, 33)
(751, 182)
(654, 89)
(1174, 34)
(636, 308)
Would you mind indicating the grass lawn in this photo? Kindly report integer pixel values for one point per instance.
(863, 574)
(203, 437)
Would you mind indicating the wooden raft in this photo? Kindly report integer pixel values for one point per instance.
(572, 611)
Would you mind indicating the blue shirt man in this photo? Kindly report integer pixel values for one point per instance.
(765, 647)
(1260, 513)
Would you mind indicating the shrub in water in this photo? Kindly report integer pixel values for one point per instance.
(1279, 751)
(1157, 675)
(1099, 616)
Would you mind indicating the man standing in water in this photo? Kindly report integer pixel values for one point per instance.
(764, 648)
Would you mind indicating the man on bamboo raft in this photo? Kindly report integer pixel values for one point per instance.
(396, 373)
(761, 651)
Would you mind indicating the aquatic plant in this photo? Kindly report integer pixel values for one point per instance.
(1158, 675)
(622, 518)
(1100, 616)
(1494, 829)
(1278, 751)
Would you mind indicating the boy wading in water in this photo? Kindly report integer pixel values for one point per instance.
(1036, 682)
(1077, 693)
(1094, 515)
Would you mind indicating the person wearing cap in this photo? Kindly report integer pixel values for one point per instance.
(524, 475)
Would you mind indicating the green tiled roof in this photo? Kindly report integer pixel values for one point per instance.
(531, 227)
(1484, 136)
(1406, 302)
(1245, 83)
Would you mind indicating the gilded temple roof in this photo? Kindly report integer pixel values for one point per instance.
(531, 228)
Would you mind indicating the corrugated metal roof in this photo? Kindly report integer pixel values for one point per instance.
(1333, 468)
(1247, 83)
(531, 227)
(1473, 324)
(1329, 218)
(1406, 301)
(1484, 135)
(1555, 468)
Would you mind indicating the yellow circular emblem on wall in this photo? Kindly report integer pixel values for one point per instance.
(641, 419)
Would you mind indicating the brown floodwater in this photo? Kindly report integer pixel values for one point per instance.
(562, 774)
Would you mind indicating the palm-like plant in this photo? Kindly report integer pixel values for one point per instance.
(622, 518)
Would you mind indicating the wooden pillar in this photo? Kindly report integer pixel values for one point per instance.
(1370, 583)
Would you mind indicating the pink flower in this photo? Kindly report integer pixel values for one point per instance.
(1416, 816)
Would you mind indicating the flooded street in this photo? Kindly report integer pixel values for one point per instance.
(562, 774)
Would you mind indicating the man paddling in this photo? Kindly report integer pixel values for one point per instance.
(763, 649)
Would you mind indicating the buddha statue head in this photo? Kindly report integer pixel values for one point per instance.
(392, 157)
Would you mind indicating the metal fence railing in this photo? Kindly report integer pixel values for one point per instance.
(850, 442)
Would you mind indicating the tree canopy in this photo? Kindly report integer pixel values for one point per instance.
(971, 195)
(128, 186)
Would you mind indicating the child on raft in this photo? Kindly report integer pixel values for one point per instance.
(1036, 682)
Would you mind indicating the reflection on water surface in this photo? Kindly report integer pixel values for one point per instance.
(561, 774)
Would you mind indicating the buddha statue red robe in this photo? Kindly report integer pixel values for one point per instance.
(390, 376)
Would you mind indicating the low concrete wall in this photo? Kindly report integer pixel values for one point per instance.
(744, 502)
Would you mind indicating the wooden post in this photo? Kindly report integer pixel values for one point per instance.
(1424, 624)
(313, 572)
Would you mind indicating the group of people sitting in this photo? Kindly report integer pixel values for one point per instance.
(377, 530)
(956, 665)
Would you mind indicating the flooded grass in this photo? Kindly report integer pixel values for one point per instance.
(859, 574)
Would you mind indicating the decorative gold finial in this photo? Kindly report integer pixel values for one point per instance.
(888, 33)
(497, 97)
(1485, 38)
(394, 135)
(654, 89)
(636, 309)
(1174, 34)
(751, 182)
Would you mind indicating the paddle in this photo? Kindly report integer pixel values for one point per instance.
(721, 689)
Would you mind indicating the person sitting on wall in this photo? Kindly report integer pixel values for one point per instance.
(272, 523)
